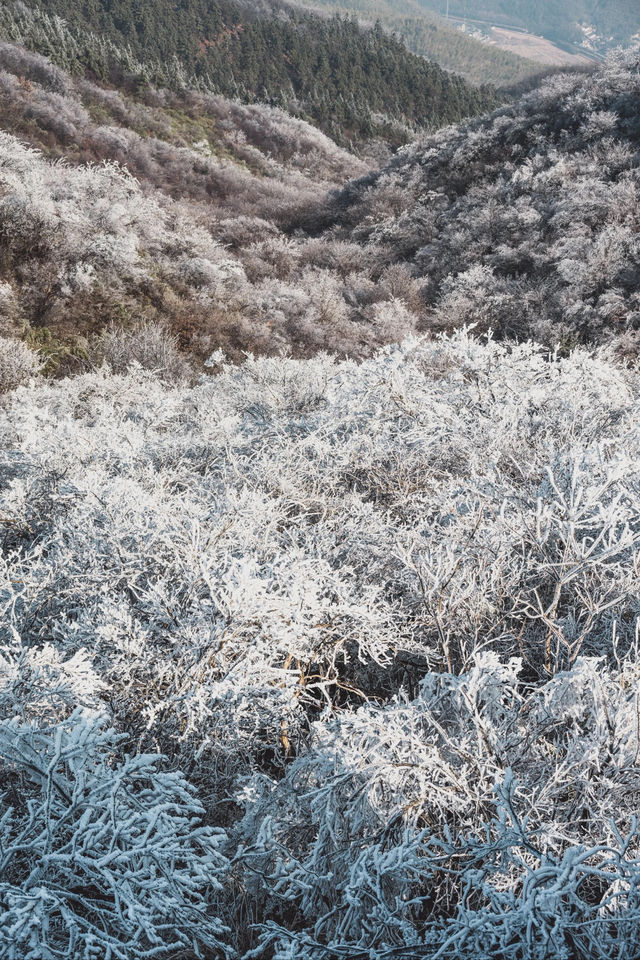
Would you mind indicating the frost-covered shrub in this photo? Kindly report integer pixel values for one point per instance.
(17, 364)
(33, 66)
(274, 257)
(241, 232)
(383, 615)
(40, 683)
(338, 256)
(98, 855)
(391, 320)
(431, 827)
(148, 345)
(523, 221)
(400, 283)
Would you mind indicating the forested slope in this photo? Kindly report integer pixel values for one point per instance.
(432, 37)
(353, 83)
(523, 222)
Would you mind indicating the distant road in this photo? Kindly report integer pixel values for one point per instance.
(533, 47)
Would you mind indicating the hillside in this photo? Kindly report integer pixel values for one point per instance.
(523, 222)
(432, 37)
(238, 232)
(193, 242)
(354, 84)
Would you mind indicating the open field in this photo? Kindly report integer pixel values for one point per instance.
(535, 48)
(523, 44)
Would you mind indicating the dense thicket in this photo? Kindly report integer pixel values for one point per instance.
(382, 616)
(524, 222)
(351, 82)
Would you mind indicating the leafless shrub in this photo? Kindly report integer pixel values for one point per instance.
(147, 345)
(18, 364)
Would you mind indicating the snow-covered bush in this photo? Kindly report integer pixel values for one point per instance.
(41, 683)
(101, 854)
(17, 364)
(472, 821)
(382, 615)
(148, 345)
